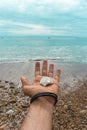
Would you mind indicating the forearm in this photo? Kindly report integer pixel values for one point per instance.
(39, 117)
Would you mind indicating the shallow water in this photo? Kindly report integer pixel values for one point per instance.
(24, 49)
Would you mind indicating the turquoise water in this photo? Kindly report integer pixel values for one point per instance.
(24, 49)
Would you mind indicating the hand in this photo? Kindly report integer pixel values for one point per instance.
(32, 89)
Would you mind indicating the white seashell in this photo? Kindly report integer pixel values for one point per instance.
(46, 81)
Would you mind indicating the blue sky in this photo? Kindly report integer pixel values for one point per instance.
(43, 17)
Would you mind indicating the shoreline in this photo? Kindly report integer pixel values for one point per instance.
(71, 73)
(40, 59)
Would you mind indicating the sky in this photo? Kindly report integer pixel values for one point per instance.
(43, 17)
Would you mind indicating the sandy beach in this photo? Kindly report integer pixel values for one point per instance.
(71, 110)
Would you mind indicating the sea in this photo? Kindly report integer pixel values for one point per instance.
(63, 49)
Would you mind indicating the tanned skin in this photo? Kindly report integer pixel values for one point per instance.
(39, 116)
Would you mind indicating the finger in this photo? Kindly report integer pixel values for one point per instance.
(51, 69)
(37, 69)
(37, 79)
(44, 68)
(57, 76)
(24, 81)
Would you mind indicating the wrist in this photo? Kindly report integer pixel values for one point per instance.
(44, 102)
(46, 96)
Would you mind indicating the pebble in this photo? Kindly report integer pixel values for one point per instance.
(69, 114)
(13, 100)
(1, 111)
(46, 81)
(23, 113)
(10, 112)
(86, 106)
(24, 106)
(1, 85)
(6, 81)
(83, 111)
(2, 127)
(65, 107)
(12, 85)
(6, 86)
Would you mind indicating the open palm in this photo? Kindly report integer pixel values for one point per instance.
(32, 89)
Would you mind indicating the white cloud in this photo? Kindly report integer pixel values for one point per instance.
(33, 26)
(32, 29)
(19, 15)
(2, 22)
(24, 25)
(69, 2)
(37, 32)
(66, 5)
(81, 11)
(22, 5)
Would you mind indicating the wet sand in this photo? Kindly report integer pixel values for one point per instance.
(71, 110)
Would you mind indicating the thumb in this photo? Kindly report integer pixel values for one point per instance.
(24, 81)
